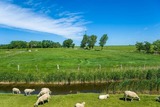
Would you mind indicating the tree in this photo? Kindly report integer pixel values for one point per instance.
(47, 44)
(103, 40)
(156, 46)
(139, 46)
(91, 41)
(35, 44)
(68, 43)
(147, 47)
(18, 44)
(84, 41)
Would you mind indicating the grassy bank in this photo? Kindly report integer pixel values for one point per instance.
(9, 100)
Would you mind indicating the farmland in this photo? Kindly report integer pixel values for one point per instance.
(40, 65)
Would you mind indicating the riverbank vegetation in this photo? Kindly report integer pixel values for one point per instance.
(115, 100)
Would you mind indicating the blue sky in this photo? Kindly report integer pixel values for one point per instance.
(125, 21)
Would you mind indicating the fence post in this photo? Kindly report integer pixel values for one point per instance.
(78, 67)
(100, 66)
(36, 67)
(121, 67)
(57, 67)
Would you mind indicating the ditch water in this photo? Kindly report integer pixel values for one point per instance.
(142, 86)
(55, 88)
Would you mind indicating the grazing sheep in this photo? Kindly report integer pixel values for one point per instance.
(101, 97)
(44, 91)
(28, 91)
(42, 99)
(16, 90)
(80, 104)
(47, 89)
(131, 94)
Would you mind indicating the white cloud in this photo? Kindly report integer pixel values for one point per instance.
(23, 18)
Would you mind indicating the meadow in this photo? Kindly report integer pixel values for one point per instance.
(91, 100)
(77, 65)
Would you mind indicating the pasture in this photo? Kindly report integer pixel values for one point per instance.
(91, 99)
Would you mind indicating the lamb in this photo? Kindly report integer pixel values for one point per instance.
(80, 104)
(16, 90)
(28, 91)
(101, 97)
(44, 91)
(131, 94)
(42, 99)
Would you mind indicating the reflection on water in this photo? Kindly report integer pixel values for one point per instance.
(141, 86)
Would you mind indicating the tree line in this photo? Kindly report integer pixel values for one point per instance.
(88, 42)
(148, 47)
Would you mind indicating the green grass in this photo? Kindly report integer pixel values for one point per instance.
(47, 59)
(91, 99)
(40, 65)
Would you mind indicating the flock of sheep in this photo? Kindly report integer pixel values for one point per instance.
(45, 94)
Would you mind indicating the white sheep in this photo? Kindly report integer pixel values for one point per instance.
(101, 97)
(44, 91)
(16, 90)
(47, 89)
(28, 91)
(80, 104)
(42, 99)
(130, 94)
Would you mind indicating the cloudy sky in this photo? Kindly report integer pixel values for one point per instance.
(125, 21)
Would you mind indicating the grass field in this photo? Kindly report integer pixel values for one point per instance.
(94, 65)
(91, 99)
(45, 60)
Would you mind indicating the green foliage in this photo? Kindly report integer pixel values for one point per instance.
(91, 41)
(139, 46)
(103, 40)
(84, 41)
(68, 43)
(18, 44)
(156, 46)
(147, 47)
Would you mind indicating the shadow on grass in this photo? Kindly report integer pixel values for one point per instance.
(128, 99)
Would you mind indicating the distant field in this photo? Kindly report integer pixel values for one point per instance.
(9, 100)
(40, 65)
(45, 60)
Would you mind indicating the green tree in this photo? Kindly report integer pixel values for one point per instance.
(147, 47)
(84, 41)
(139, 46)
(47, 44)
(156, 46)
(35, 44)
(91, 41)
(18, 44)
(103, 40)
(68, 43)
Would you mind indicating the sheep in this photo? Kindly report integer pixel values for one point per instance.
(101, 97)
(80, 104)
(28, 91)
(131, 95)
(44, 91)
(42, 99)
(16, 90)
